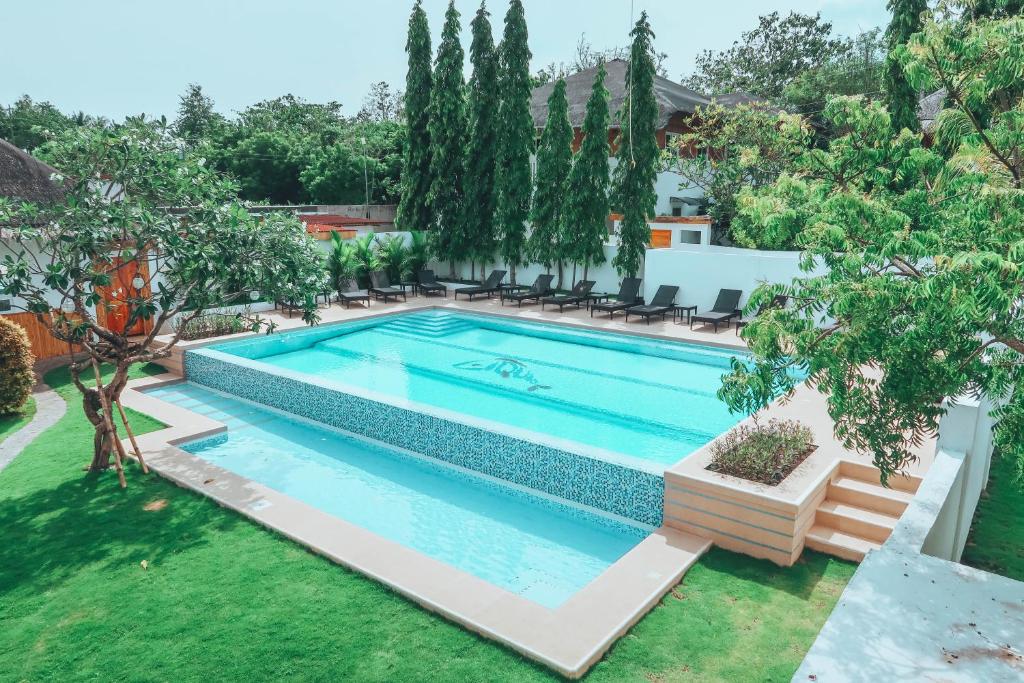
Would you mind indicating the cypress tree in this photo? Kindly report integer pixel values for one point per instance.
(515, 138)
(448, 142)
(637, 169)
(478, 221)
(554, 159)
(586, 199)
(900, 96)
(413, 210)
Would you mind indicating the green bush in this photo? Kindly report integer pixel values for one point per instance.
(16, 361)
(763, 453)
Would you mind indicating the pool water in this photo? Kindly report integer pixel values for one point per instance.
(643, 398)
(542, 549)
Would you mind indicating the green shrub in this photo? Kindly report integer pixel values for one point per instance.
(763, 453)
(214, 324)
(16, 361)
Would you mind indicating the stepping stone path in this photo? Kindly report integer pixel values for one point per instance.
(50, 408)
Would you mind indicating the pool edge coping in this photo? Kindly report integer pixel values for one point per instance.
(568, 639)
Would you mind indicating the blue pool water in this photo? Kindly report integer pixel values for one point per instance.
(536, 547)
(643, 398)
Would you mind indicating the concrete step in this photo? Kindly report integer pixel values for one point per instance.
(870, 474)
(854, 520)
(834, 542)
(869, 496)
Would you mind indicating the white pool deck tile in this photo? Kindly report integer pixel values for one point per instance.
(569, 639)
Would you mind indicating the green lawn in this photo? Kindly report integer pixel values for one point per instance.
(996, 543)
(12, 423)
(223, 599)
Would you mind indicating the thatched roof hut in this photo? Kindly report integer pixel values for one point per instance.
(25, 178)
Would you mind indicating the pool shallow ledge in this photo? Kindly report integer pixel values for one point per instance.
(569, 639)
(618, 484)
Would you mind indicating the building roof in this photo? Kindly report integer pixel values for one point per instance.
(672, 97)
(317, 223)
(928, 108)
(25, 178)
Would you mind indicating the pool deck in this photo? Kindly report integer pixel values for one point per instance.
(569, 639)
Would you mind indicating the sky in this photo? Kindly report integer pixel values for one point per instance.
(123, 57)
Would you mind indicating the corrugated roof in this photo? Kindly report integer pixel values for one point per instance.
(671, 96)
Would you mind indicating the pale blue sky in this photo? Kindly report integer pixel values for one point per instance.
(123, 57)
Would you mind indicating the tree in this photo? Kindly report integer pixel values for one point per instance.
(766, 59)
(196, 117)
(637, 169)
(448, 143)
(209, 251)
(585, 214)
(900, 98)
(554, 159)
(478, 219)
(381, 104)
(367, 160)
(27, 123)
(731, 148)
(515, 139)
(922, 291)
(413, 210)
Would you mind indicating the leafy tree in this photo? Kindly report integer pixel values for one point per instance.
(731, 148)
(478, 221)
(27, 123)
(413, 210)
(266, 163)
(335, 174)
(554, 159)
(381, 104)
(900, 98)
(638, 156)
(585, 214)
(515, 139)
(448, 143)
(766, 59)
(196, 118)
(207, 252)
(922, 291)
(322, 122)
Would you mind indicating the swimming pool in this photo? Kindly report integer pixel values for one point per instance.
(642, 398)
(542, 549)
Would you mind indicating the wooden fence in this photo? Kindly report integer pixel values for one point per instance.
(43, 343)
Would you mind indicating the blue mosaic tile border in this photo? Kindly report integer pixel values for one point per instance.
(631, 493)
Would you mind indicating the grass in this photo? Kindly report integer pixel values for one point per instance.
(996, 542)
(224, 599)
(12, 423)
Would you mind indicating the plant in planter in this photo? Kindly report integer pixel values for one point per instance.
(392, 254)
(417, 254)
(213, 324)
(765, 453)
(366, 259)
(16, 359)
(342, 263)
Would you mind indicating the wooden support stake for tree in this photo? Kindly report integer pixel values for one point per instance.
(109, 420)
(131, 436)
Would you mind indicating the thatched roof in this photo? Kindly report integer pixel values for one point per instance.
(25, 178)
(671, 96)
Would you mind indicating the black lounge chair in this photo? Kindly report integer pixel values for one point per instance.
(574, 298)
(662, 303)
(382, 288)
(629, 294)
(727, 307)
(491, 285)
(428, 284)
(778, 301)
(353, 293)
(541, 287)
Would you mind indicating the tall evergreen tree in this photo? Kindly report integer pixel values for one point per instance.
(554, 159)
(478, 221)
(637, 168)
(515, 138)
(448, 142)
(413, 210)
(900, 97)
(586, 199)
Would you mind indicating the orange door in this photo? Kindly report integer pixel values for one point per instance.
(113, 313)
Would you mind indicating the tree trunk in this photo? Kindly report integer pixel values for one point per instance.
(586, 266)
(561, 274)
(105, 438)
(472, 269)
(512, 273)
(451, 268)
